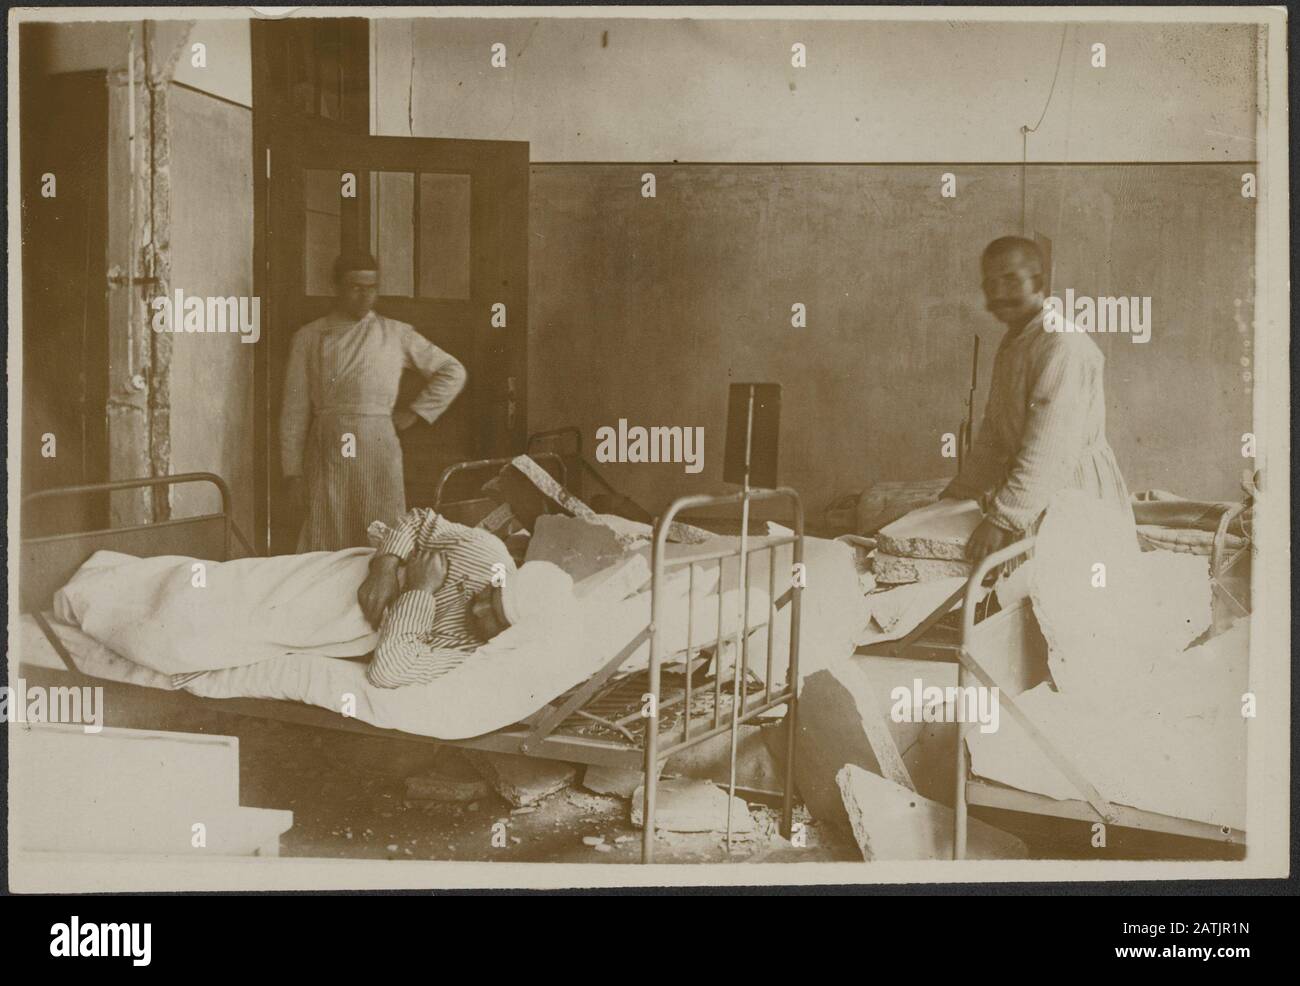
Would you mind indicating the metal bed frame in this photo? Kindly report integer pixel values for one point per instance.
(1006, 650)
(600, 721)
(989, 654)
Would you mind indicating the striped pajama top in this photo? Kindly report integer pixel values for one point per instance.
(422, 636)
(1044, 430)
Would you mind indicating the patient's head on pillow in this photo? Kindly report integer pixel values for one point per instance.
(532, 594)
(486, 616)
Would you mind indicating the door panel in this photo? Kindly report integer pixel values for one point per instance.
(65, 297)
(447, 221)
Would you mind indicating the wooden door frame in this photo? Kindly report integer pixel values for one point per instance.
(506, 170)
(272, 112)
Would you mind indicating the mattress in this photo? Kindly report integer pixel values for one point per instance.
(503, 683)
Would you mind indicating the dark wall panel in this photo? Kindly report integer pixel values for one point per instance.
(646, 308)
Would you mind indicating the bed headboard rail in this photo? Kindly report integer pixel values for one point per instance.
(47, 563)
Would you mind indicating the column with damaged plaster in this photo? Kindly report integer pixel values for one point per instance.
(170, 42)
(127, 411)
(138, 409)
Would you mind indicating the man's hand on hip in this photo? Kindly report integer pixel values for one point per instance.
(295, 492)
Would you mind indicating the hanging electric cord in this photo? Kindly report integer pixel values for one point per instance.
(410, 89)
(1026, 130)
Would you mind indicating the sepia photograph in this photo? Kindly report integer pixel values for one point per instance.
(594, 446)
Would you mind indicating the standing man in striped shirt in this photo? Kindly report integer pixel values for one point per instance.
(461, 590)
(339, 449)
(1044, 425)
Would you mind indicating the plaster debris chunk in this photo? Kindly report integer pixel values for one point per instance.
(612, 780)
(841, 721)
(939, 530)
(686, 805)
(436, 786)
(893, 570)
(577, 546)
(613, 584)
(532, 492)
(891, 822)
(522, 780)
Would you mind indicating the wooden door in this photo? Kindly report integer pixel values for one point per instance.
(65, 294)
(448, 222)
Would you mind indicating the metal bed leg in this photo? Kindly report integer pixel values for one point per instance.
(959, 799)
(787, 797)
(649, 787)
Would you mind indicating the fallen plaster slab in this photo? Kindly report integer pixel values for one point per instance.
(897, 612)
(1171, 741)
(891, 822)
(841, 721)
(578, 546)
(688, 805)
(499, 517)
(893, 570)
(452, 779)
(522, 780)
(612, 780)
(939, 530)
(615, 583)
(1111, 613)
(528, 488)
(756, 768)
(928, 748)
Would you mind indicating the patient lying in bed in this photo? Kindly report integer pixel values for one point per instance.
(461, 590)
(179, 615)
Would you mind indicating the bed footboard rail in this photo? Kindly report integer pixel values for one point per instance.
(781, 593)
(48, 562)
(970, 667)
(483, 465)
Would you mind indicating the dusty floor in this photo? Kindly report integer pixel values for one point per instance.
(348, 796)
(347, 793)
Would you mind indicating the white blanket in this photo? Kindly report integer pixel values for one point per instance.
(178, 615)
(509, 678)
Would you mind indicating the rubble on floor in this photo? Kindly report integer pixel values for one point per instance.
(593, 804)
(689, 805)
(522, 780)
(450, 780)
(757, 770)
(612, 780)
(892, 822)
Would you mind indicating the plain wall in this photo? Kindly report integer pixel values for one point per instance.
(648, 308)
(212, 254)
(613, 89)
